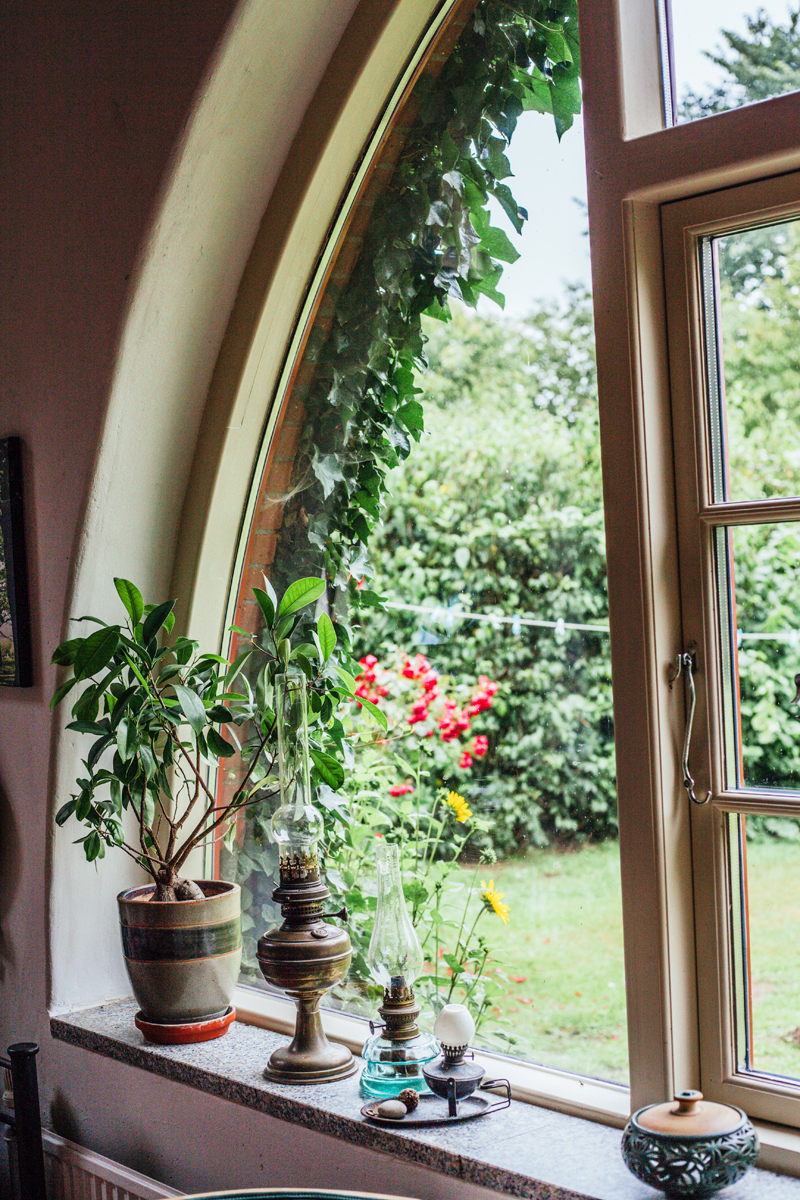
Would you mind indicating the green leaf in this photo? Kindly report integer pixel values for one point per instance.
(411, 413)
(376, 713)
(64, 655)
(347, 679)
(192, 707)
(218, 745)
(131, 597)
(155, 619)
(127, 740)
(96, 652)
(66, 811)
(330, 771)
(327, 636)
(237, 665)
(498, 245)
(299, 594)
(148, 761)
(267, 607)
(61, 692)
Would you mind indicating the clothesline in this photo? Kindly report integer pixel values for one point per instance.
(454, 612)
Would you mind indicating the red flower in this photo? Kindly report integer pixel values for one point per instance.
(465, 762)
(480, 745)
(401, 789)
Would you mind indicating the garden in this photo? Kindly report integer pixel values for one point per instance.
(449, 483)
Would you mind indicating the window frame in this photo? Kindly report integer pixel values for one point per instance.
(685, 224)
(634, 167)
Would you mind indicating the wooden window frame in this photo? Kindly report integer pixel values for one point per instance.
(635, 166)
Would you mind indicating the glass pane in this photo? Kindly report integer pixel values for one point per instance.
(759, 313)
(765, 878)
(767, 613)
(724, 56)
(496, 774)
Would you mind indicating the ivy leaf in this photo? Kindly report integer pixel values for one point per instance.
(299, 594)
(96, 652)
(192, 707)
(328, 471)
(498, 245)
(411, 413)
(327, 636)
(131, 597)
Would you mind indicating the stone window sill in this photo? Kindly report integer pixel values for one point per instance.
(524, 1151)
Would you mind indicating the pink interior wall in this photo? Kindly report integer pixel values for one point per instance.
(94, 95)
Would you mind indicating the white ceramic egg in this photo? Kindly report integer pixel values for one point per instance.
(454, 1026)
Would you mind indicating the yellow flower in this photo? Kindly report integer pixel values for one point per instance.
(493, 900)
(460, 807)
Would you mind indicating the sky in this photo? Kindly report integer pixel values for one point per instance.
(549, 175)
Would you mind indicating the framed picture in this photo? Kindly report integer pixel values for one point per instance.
(15, 633)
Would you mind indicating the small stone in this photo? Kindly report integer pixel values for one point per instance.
(394, 1109)
(410, 1098)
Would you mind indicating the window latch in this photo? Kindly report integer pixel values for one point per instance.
(686, 665)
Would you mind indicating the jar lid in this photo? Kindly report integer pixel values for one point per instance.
(692, 1116)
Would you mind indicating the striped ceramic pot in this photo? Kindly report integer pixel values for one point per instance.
(183, 956)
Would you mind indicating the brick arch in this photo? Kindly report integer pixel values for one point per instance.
(274, 487)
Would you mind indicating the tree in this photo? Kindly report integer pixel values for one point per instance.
(499, 512)
(764, 63)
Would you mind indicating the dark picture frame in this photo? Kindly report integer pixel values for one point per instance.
(15, 632)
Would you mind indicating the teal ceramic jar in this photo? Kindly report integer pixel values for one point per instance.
(691, 1148)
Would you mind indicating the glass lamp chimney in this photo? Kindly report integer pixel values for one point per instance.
(395, 956)
(297, 825)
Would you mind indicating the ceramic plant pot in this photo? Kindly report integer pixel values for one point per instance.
(690, 1150)
(183, 957)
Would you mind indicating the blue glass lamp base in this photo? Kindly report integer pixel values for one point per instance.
(392, 1066)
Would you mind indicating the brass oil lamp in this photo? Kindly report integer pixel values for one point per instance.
(395, 1057)
(305, 957)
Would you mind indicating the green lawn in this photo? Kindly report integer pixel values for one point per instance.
(774, 895)
(562, 953)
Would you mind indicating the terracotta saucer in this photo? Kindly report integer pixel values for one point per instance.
(187, 1032)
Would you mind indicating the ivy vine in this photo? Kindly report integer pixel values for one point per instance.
(430, 237)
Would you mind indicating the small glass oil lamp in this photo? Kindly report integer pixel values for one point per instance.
(305, 957)
(395, 1057)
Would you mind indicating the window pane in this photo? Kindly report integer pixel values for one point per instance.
(765, 878)
(767, 650)
(725, 56)
(759, 307)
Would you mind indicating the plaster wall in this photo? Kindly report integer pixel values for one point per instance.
(142, 142)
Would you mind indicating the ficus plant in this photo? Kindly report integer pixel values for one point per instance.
(159, 713)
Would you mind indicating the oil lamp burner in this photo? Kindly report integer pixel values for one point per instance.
(395, 1057)
(305, 957)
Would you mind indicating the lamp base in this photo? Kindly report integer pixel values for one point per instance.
(392, 1066)
(323, 1063)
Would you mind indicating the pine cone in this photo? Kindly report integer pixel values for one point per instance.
(410, 1098)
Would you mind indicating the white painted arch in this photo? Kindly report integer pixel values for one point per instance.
(253, 189)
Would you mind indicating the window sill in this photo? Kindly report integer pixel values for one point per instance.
(525, 1151)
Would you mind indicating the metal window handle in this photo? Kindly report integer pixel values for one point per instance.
(686, 665)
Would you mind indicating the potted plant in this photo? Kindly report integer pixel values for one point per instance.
(160, 713)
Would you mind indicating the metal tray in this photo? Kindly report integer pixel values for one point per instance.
(433, 1110)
